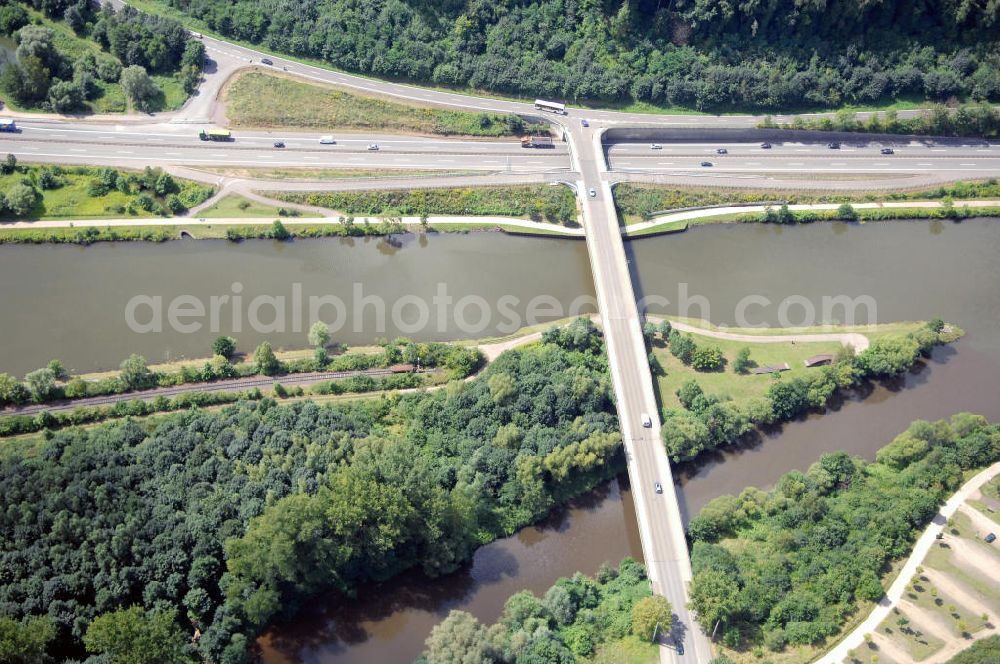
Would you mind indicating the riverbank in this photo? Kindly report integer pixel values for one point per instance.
(804, 213)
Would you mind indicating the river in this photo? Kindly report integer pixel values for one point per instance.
(911, 270)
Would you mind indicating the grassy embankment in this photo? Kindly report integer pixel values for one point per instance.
(743, 387)
(638, 203)
(111, 99)
(259, 98)
(235, 206)
(321, 174)
(554, 204)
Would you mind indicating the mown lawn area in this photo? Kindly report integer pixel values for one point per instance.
(629, 650)
(263, 99)
(740, 387)
(234, 206)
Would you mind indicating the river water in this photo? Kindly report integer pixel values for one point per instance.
(911, 270)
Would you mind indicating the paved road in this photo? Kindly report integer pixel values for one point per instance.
(173, 144)
(661, 530)
(798, 157)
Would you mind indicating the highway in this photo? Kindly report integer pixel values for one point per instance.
(797, 157)
(80, 142)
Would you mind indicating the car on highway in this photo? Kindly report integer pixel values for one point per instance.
(655, 146)
(373, 147)
(658, 487)
(679, 645)
(765, 146)
(706, 164)
(584, 123)
(279, 144)
(722, 151)
(592, 192)
(887, 151)
(647, 421)
(833, 146)
(326, 140)
(265, 61)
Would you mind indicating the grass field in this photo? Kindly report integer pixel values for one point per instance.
(111, 98)
(629, 650)
(738, 386)
(234, 205)
(257, 98)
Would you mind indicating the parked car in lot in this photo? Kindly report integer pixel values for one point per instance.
(722, 151)
(989, 539)
(266, 61)
(658, 487)
(888, 151)
(765, 146)
(373, 147)
(655, 146)
(706, 164)
(279, 144)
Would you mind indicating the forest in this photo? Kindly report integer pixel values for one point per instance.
(700, 54)
(126, 540)
(71, 55)
(575, 619)
(788, 566)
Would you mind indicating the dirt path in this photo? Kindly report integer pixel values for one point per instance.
(928, 621)
(858, 342)
(889, 652)
(978, 605)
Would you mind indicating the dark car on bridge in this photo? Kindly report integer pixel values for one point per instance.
(279, 144)
(706, 164)
(658, 487)
(266, 61)
(722, 151)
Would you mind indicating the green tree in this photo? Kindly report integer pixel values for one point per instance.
(21, 199)
(707, 358)
(224, 346)
(649, 612)
(41, 384)
(134, 373)
(137, 636)
(25, 641)
(319, 334)
(459, 639)
(682, 346)
(846, 212)
(278, 231)
(138, 87)
(9, 164)
(265, 361)
(742, 364)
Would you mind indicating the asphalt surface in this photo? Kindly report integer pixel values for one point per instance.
(661, 529)
(81, 142)
(797, 157)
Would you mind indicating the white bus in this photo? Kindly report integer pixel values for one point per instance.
(551, 106)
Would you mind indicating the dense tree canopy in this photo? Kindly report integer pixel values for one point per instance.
(565, 626)
(230, 517)
(698, 53)
(787, 566)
